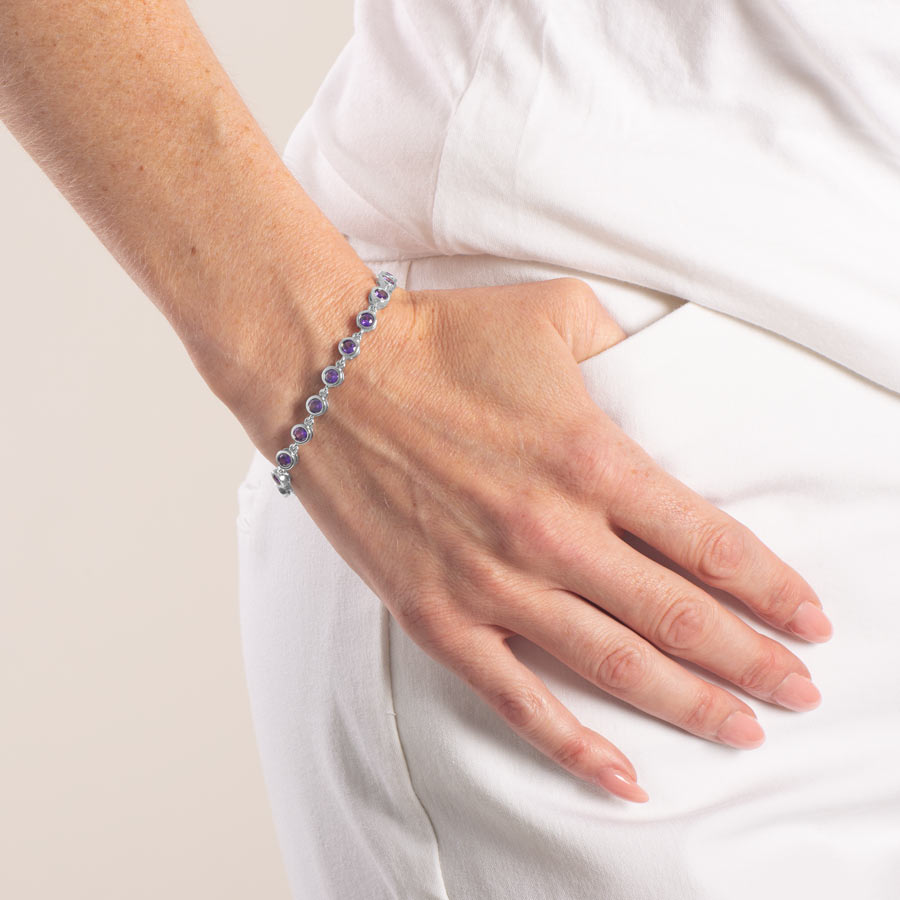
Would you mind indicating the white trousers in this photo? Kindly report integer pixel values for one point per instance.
(389, 778)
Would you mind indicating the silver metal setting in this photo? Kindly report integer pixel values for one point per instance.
(376, 301)
(290, 452)
(339, 369)
(385, 282)
(317, 397)
(283, 481)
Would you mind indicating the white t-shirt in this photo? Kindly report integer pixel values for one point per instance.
(741, 155)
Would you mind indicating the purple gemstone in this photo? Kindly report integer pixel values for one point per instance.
(380, 293)
(332, 376)
(388, 278)
(315, 405)
(299, 433)
(348, 346)
(366, 320)
(284, 459)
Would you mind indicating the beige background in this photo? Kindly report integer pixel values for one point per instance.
(129, 766)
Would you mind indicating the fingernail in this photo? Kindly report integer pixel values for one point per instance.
(797, 692)
(811, 623)
(621, 784)
(741, 731)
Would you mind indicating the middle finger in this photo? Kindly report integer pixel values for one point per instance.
(682, 619)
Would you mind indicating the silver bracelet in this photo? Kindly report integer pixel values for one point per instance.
(332, 376)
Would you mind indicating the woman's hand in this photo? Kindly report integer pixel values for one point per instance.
(463, 470)
(466, 474)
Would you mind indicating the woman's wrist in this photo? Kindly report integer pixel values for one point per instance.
(131, 115)
(266, 362)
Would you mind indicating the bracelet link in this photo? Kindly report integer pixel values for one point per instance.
(332, 376)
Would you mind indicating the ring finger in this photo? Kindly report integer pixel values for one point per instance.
(620, 662)
(683, 620)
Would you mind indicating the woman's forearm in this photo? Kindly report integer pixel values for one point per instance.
(126, 108)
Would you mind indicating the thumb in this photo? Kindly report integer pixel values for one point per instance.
(580, 318)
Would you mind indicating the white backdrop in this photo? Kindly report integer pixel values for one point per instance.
(129, 767)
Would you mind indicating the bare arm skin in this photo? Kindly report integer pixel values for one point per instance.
(126, 108)
(468, 536)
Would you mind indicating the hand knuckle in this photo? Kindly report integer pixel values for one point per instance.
(479, 583)
(423, 610)
(756, 677)
(719, 550)
(780, 602)
(622, 667)
(521, 706)
(572, 753)
(532, 530)
(699, 713)
(684, 624)
(411, 607)
(572, 285)
(583, 462)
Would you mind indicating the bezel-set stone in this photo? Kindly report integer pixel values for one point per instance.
(379, 297)
(366, 315)
(348, 348)
(339, 377)
(286, 458)
(283, 480)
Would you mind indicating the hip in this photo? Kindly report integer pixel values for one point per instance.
(349, 710)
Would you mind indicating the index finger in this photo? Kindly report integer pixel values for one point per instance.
(711, 544)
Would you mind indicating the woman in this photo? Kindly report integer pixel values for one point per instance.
(626, 426)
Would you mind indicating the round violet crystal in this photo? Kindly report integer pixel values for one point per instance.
(284, 459)
(378, 297)
(300, 433)
(315, 405)
(387, 278)
(365, 320)
(348, 346)
(283, 480)
(332, 375)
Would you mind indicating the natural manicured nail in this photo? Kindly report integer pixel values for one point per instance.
(811, 623)
(741, 731)
(797, 692)
(621, 784)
